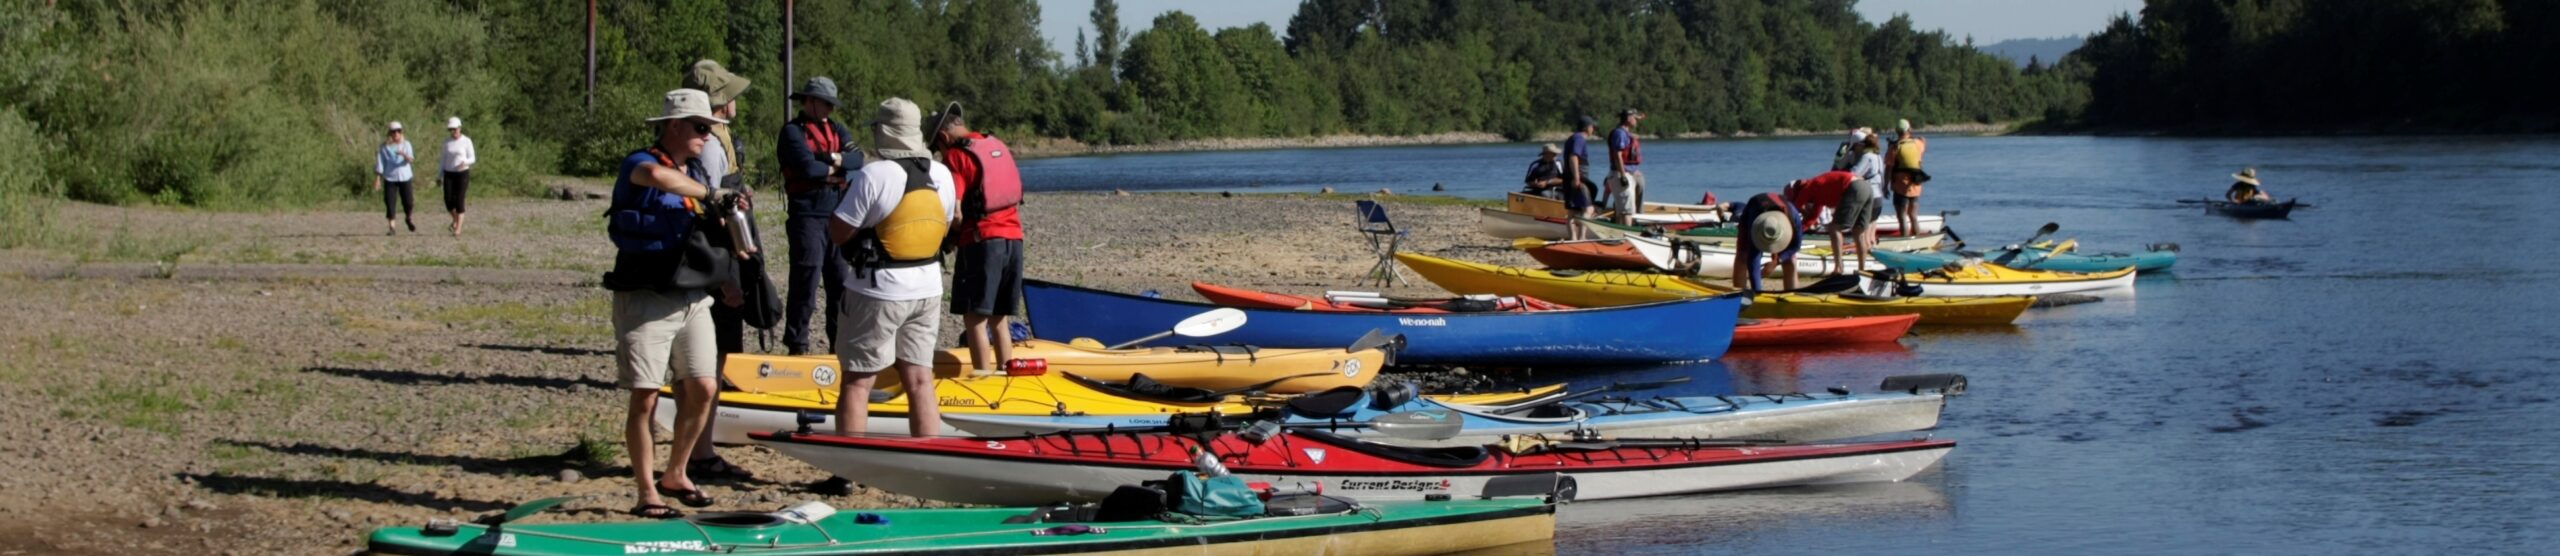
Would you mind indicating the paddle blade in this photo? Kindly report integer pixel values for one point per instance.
(1211, 323)
(1527, 243)
(2049, 228)
(1429, 424)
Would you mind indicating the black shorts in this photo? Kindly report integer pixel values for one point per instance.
(457, 186)
(986, 278)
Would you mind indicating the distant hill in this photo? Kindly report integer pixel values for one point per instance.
(2019, 50)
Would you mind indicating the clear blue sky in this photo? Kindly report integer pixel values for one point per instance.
(1988, 21)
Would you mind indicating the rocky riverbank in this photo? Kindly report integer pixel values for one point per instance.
(184, 382)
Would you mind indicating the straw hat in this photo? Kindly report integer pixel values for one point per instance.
(1770, 229)
(2247, 176)
(1550, 149)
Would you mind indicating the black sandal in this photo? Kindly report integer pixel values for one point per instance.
(715, 467)
(693, 498)
(655, 511)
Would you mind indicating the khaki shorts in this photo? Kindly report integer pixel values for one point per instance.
(871, 333)
(653, 331)
(1626, 192)
(1857, 212)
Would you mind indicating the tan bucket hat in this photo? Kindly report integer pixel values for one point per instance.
(1770, 229)
(690, 104)
(2247, 176)
(897, 130)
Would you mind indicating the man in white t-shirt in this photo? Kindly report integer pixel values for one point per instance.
(891, 317)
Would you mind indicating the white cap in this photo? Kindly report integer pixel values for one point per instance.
(453, 122)
(395, 126)
(1859, 134)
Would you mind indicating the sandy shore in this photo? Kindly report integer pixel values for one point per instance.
(208, 383)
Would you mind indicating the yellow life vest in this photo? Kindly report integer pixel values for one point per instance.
(913, 231)
(1907, 152)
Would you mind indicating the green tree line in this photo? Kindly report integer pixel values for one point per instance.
(2325, 64)
(251, 104)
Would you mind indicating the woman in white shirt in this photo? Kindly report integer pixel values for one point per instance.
(459, 157)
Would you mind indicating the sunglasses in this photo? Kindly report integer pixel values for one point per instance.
(700, 128)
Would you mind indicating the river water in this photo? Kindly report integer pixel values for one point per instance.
(2373, 376)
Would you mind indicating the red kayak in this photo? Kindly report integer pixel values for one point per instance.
(1590, 255)
(1762, 332)
(1836, 331)
(1087, 466)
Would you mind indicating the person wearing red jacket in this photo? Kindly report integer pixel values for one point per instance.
(986, 276)
(1840, 203)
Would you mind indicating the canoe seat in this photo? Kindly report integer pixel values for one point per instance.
(1458, 456)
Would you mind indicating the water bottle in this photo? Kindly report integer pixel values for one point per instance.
(739, 234)
(1026, 367)
(1207, 463)
(1268, 491)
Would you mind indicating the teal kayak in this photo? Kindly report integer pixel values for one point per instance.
(1395, 527)
(2038, 257)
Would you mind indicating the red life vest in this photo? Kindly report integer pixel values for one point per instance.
(821, 137)
(1635, 148)
(999, 183)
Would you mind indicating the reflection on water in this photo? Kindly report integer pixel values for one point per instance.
(2374, 375)
(1860, 367)
(1741, 520)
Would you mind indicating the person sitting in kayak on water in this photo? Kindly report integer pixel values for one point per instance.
(1837, 202)
(2245, 188)
(1771, 226)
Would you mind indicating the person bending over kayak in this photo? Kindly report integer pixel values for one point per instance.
(1772, 227)
(1840, 203)
(2245, 188)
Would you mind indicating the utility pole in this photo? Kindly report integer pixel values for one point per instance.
(591, 56)
(790, 36)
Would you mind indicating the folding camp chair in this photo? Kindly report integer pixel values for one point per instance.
(1384, 238)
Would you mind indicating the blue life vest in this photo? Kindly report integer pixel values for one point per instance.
(646, 219)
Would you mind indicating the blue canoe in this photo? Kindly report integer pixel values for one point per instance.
(1913, 403)
(1671, 331)
(2146, 262)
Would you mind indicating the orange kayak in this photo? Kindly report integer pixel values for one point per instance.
(1823, 331)
(1590, 255)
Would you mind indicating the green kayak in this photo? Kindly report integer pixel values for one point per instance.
(1399, 527)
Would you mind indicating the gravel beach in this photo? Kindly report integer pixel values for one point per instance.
(185, 382)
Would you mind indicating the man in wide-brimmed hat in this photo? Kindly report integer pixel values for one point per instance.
(661, 323)
(892, 314)
(1771, 228)
(2246, 189)
(814, 152)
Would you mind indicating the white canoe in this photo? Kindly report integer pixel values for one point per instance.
(1511, 225)
(730, 423)
(1786, 417)
(1716, 261)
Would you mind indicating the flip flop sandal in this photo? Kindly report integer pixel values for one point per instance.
(655, 511)
(693, 498)
(718, 468)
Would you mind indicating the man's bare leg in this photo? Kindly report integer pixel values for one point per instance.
(853, 404)
(924, 411)
(636, 427)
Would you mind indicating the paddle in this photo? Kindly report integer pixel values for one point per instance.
(1527, 243)
(2048, 229)
(2066, 246)
(1535, 443)
(1943, 216)
(1212, 323)
(1615, 387)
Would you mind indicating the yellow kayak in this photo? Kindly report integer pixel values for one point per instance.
(1613, 288)
(1275, 370)
(1052, 393)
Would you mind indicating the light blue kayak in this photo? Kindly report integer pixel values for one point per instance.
(1909, 403)
(2039, 257)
